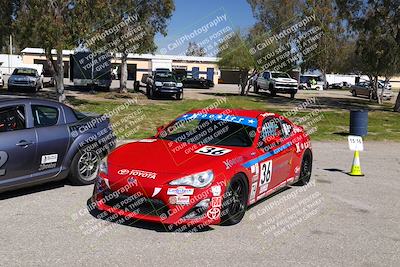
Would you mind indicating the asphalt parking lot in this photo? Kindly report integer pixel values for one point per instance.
(336, 220)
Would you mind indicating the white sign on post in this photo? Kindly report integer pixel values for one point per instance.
(355, 143)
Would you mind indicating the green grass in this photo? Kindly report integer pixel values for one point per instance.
(332, 123)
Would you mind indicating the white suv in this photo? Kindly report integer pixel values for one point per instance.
(276, 82)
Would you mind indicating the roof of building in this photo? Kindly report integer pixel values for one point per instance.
(40, 51)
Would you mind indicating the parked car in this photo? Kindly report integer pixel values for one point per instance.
(164, 82)
(314, 82)
(340, 85)
(197, 83)
(42, 141)
(276, 82)
(204, 168)
(365, 88)
(25, 79)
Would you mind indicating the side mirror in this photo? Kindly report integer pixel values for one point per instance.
(160, 128)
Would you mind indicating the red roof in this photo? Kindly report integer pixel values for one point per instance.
(234, 112)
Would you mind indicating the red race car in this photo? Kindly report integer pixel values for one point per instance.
(204, 168)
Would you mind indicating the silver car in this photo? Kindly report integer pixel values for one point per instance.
(365, 88)
(25, 79)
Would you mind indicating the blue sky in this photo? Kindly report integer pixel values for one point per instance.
(190, 15)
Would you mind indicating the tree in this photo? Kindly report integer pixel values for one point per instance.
(7, 10)
(195, 50)
(135, 25)
(377, 27)
(54, 24)
(234, 54)
(331, 41)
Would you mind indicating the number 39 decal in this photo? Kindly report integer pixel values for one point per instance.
(3, 160)
(213, 151)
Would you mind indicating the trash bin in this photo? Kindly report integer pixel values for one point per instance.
(359, 122)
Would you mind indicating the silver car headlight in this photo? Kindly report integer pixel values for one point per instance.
(199, 180)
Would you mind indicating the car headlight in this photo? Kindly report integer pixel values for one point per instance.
(179, 85)
(103, 168)
(201, 179)
(158, 83)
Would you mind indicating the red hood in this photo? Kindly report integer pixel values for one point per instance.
(167, 160)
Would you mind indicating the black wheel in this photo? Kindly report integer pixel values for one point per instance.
(84, 167)
(256, 88)
(151, 93)
(235, 201)
(306, 169)
(272, 90)
(354, 93)
(179, 96)
(292, 95)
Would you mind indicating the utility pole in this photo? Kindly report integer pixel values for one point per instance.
(9, 56)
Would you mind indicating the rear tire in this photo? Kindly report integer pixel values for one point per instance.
(353, 92)
(272, 90)
(84, 167)
(235, 201)
(151, 94)
(306, 169)
(292, 95)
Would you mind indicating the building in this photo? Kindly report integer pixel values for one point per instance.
(198, 67)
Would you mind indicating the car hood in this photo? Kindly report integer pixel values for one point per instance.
(160, 161)
(285, 80)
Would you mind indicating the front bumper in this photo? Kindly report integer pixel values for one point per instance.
(285, 90)
(22, 85)
(138, 205)
(168, 90)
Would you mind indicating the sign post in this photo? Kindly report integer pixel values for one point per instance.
(356, 145)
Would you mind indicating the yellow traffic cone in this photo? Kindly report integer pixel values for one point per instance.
(356, 167)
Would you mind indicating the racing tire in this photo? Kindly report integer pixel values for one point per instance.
(306, 169)
(234, 205)
(84, 167)
(292, 95)
(353, 93)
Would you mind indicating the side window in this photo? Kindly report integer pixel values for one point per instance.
(12, 118)
(270, 131)
(44, 116)
(286, 129)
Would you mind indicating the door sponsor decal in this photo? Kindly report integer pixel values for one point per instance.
(52, 158)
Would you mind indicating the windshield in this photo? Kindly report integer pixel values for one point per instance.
(280, 75)
(165, 76)
(25, 72)
(212, 129)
